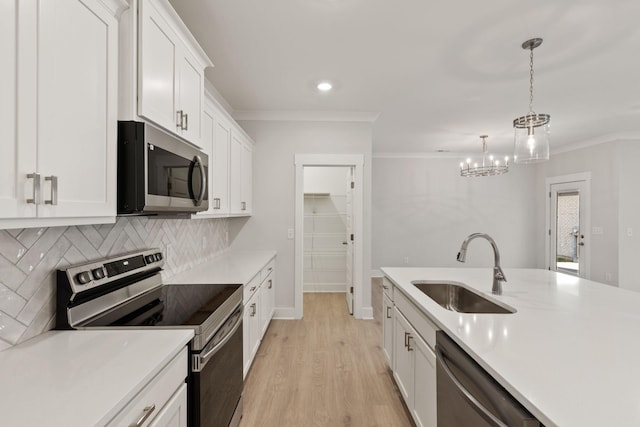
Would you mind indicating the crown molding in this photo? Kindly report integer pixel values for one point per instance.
(600, 139)
(306, 116)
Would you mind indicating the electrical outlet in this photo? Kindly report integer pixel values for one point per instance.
(607, 277)
(290, 233)
(597, 230)
(630, 232)
(406, 260)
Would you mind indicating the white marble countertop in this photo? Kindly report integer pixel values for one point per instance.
(229, 268)
(81, 378)
(571, 352)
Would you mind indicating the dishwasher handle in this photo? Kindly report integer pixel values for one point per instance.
(484, 412)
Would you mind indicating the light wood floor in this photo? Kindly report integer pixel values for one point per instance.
(327, 369)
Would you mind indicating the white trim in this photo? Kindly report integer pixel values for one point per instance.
(367, 313)
(586, 202)
(376, 273)
(307, 116)
(284, 314)
(324, 287)
(425, 155)
(357, 162)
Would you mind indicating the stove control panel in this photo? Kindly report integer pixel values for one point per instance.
(98, 273)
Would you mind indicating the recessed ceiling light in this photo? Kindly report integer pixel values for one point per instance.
(324, 86)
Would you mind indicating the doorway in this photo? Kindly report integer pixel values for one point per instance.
(568, 221)
(328, 243)
(328, 223)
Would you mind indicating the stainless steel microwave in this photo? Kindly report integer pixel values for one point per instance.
(158, 173)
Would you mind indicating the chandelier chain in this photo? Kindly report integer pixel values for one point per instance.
(531, 82)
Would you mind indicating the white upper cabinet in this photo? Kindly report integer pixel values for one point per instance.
(241, 175)
(171, 72)
(61, 139)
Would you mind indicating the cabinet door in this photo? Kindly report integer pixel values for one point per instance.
(267, 302)
(157, 67)
(247, 179)
(402, 357)
(220, 184)
(235, 175)
(387, 328)
(174, 413)
(424, 384)
(18, 159)
(77, 108)
(190, 102)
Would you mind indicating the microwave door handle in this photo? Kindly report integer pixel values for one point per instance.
(203, 180)
(480, 409)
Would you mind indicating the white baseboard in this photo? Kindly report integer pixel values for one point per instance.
(367, 313)
(324, 287)
(287, 313)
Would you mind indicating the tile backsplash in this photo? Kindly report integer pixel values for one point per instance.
(29, 258)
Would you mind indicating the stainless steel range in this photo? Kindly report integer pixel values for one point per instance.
(126, 291)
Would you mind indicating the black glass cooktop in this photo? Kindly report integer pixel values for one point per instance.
(192, 304)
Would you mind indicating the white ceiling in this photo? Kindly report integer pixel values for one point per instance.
(439, 73)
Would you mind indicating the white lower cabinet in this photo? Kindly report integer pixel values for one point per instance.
(162, 402)
(259, 302)
(387, 321)
(174, 413)
(414, 361)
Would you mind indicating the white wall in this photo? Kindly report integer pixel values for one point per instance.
(603, 162)
(320, 179)
(277, 142)
(423, 209)
(629, 215)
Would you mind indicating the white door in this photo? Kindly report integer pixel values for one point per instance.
(349, 239)
(569, 226)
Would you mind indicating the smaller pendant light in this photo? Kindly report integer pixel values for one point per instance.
(488, 166)
(532, 130)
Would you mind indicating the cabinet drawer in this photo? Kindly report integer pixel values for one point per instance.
(387, 288)
(156, 394)
(266, 271)
(250, 288)
(423, 325)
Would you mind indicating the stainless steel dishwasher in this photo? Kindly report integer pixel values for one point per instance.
(469, 396)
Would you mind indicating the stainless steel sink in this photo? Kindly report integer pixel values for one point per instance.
(456, 297)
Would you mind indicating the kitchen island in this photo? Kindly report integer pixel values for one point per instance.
(570, 353)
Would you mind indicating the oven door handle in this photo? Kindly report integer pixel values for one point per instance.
(204, 358)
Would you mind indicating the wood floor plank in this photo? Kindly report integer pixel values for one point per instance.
(327, 369)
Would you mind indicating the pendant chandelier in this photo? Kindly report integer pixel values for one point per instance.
(489, 166)
(531, 130)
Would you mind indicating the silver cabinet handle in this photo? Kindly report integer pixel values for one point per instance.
(270, 284)
(251, 289)
(253, 309)
(388, 312)
(186, 122)
(216, 202)
(409, 348)
(406, 339)
(385, 287)
(179, 119)
(35, 197)
(146, 413)
(54, 190)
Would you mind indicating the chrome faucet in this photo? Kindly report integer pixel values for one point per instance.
(498, 274)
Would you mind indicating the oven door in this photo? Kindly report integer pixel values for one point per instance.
(216, 378)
